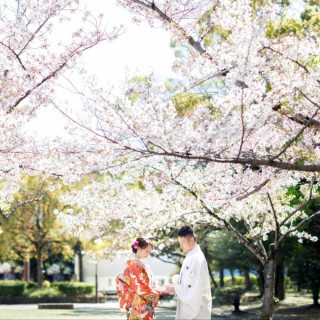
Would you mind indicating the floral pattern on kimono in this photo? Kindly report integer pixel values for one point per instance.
(136, 291)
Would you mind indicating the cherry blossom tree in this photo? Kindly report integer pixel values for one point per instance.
(35, 52)
(219, 145)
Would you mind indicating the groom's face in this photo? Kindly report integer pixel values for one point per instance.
(186, 243)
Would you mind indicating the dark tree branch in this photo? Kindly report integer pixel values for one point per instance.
(260, 256)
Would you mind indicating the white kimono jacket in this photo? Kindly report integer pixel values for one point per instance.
(193, 287)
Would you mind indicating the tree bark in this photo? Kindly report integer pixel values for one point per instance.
(248, 280)
(205, 252)
(80, 257)
(221, 277)
(26, 269)
(233, 280)
(39, 267)
(269, 275)
(280, 282)
(261, 281)
(315, 295)
(214, 282)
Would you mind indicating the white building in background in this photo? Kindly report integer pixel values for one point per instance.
(107, 271)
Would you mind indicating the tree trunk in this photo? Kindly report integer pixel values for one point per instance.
(236, 303)
(233, 281)
(261, 281)
(205, 252)
(269, 273)
(26, 269)
(39, 267)
(248, 280)
(315, 295)
(212, 277)
(80, 257)
(279, 282)
(221, 277)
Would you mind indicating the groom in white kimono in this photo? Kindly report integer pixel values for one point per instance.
(192, 286)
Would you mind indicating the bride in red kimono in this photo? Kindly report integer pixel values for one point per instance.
(136, 289)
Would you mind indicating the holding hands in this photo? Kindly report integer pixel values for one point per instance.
(168, 289)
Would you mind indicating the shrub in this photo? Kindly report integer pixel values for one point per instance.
(43, 292)
(74, 288)
(240, 281)
(12, 288)
(32, 285)
(228, 295)
(46, 284)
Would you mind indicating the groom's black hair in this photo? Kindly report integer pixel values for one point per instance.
(186, 231)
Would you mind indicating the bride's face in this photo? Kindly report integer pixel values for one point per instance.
(144, 253)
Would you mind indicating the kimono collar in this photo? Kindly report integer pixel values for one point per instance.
(194, 250)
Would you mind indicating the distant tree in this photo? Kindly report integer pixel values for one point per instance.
(35, 231)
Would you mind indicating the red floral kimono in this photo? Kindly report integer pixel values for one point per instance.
(136, 291)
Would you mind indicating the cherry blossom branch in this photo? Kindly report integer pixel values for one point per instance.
(15, 54)
(228, 226)
(299, 225)
(6, 216)
(243, 126)
(195, 44)
(303, 204)
(277, 230)
(301, 130)
(292, 60)
(256, 189)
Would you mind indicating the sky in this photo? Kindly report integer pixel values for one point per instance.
(139, 49)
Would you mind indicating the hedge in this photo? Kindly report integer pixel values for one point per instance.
(74, 288)
(240, 281)
(12, 288)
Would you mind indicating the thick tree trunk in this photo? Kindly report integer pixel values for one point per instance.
(279, 282)
(248, 280)
(221, 277)
(269, 273)
(39, 267)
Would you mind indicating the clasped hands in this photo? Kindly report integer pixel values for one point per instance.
(168, 289)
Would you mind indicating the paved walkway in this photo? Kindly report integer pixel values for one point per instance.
(106, 311)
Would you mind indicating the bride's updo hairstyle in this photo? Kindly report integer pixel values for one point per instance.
(140, 242)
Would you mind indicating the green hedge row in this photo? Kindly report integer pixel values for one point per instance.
(12, 288)
(74, 288)
(18, 288)
(240, 281)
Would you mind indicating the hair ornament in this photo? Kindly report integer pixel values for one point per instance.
(135, 244)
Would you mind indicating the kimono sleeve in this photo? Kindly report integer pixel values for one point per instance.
(192, 285)
(124, 290)
(141, 284)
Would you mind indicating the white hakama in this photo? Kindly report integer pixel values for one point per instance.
(192, 287)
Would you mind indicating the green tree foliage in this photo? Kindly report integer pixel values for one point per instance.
(304, 268)
(34, 232)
